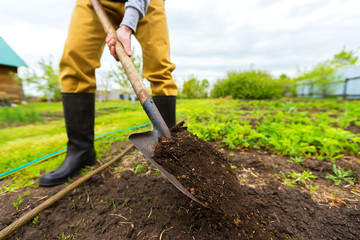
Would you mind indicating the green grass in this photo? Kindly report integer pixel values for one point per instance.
(295, 128)
(20, 145)
(17, 204)
(13, 115)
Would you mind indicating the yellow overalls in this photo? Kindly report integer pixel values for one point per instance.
(86, 40)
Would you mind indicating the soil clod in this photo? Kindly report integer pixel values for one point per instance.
(201, 169)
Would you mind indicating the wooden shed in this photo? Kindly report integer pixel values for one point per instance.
(9, 63)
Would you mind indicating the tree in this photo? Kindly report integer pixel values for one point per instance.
(46, 82)
(105, 82)
(344, 59)
(195, 88)
(289, 85)
(22, 80)
(50, 77)
(120, 77)
(322, 77)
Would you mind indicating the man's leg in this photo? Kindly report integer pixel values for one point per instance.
(152, 34)
(79, 109)
(84, 46)
(82, 53)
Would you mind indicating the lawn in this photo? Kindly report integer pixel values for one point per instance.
(27, 141)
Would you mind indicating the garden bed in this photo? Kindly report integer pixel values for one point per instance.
(297, 166)
(120, 204)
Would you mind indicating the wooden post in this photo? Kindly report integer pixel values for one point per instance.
(345, 88)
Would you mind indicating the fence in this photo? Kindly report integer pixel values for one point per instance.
(340, 91)
(344, 95)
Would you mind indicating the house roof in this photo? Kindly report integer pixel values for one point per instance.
(8, 57)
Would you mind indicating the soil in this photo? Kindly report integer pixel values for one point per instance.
(119, 204)
(353, 128)
(201, 169)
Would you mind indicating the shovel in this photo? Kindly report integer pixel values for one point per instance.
(145, 142)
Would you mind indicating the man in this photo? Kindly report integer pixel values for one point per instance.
(82, 52)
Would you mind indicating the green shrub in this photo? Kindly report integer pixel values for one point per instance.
(195, 88)
(254, 84)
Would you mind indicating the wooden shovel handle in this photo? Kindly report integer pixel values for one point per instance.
(130, 70)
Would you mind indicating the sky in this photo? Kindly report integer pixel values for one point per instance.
(208, 38)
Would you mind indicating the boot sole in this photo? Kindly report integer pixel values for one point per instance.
(55, 182)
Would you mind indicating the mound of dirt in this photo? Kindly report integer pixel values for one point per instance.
(201, 169)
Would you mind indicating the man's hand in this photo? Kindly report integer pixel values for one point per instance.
(124, 36)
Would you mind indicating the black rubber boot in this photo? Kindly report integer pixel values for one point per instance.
(167, 108)
(79, 113)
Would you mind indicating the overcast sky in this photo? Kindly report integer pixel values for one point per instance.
(208, 38)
